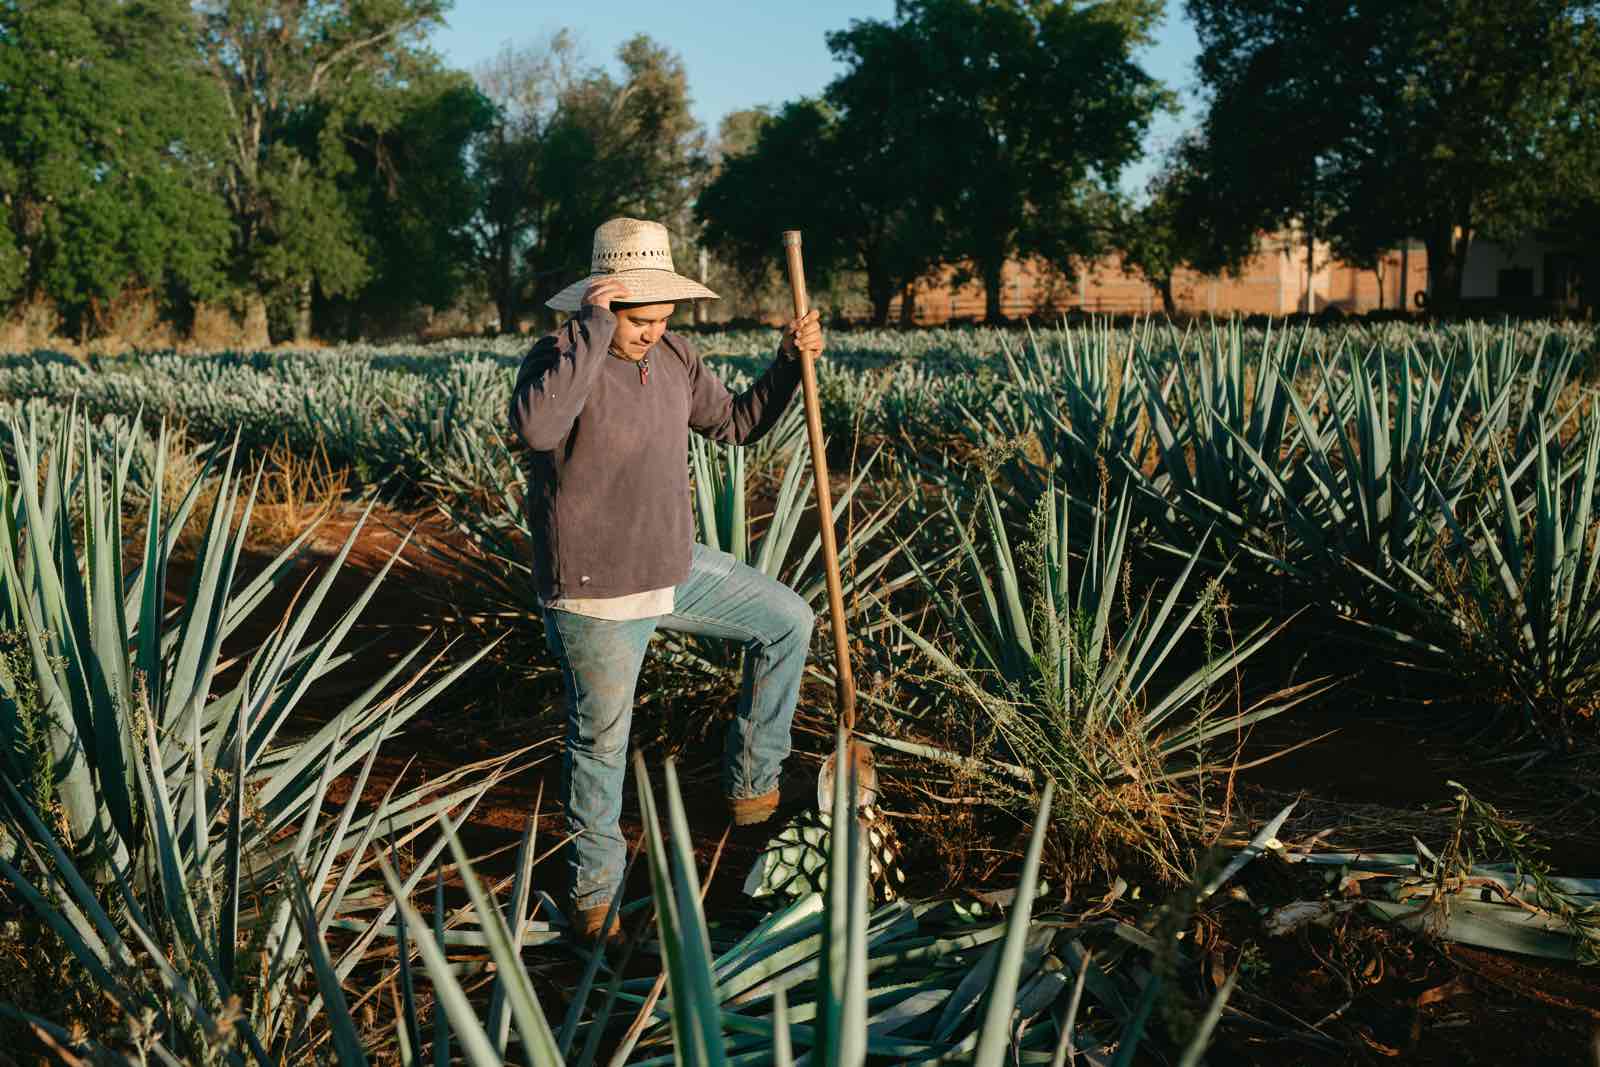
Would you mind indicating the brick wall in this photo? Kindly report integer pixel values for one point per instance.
(1272, 282)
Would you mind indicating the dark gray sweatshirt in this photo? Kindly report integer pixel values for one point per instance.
(607, 457)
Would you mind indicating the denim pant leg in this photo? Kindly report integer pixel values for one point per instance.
(724, 598)
(600, 662)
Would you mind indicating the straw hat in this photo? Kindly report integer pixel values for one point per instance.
(638, 254)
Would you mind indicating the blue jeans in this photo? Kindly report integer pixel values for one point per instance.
(600, 662)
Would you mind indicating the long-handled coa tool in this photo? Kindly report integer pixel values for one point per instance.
(857, 753)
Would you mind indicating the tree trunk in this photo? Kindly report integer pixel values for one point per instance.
(880, 290)
(699, 306)
(1405, 276)
(908, 304)
(1447, 253)
(505, 302)
(993, 291)
(254, 332)
(1311, 270)
(1168, 303)
(504, 286)
(302, 312)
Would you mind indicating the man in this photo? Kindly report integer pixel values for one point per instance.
(604, 406)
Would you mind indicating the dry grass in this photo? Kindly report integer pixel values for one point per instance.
(219, 327)
(32, 324)
(296, 491)
(134, 322)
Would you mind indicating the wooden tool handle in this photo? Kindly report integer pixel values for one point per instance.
(845, 687)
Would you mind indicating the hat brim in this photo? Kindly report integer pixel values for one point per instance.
(644, 285)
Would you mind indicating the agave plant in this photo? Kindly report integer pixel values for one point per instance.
(723, 499)
(1074, 702)
(161, 844)
(1366, 490)
(825, 979)
(1516, 594)
(1078, 401)
(1208, 416)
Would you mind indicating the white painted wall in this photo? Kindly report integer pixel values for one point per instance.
(1486, 259)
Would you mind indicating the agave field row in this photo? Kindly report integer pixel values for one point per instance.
(1430, 488)
(170, 851)
(1067, 552)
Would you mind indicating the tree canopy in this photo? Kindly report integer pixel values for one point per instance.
(301, 80)
(572, 145)
(810, 170)
(313, 164)
(960, 133)
(107, 124)
(1372, 122)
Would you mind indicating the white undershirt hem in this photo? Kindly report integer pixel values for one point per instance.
(645, 605)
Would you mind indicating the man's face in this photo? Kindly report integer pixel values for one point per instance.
(638, 328)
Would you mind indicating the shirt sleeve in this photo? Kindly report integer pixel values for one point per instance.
(719, 415)
(556, 376)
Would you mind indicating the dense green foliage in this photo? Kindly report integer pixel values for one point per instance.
(1374, 122)
(106, 124)
(570, 147)
(314, 166)
(959, 133)
(331, 107)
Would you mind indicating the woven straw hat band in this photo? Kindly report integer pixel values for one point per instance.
(639, 255)
(631, 244)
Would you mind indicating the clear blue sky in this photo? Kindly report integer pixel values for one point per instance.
(742, 53)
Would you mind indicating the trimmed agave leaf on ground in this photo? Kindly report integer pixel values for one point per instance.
(1516, 905)
(187, 816)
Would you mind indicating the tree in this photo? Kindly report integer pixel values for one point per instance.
(1149, 239)
(524, 86)
(1014, 115)
(1375, 122)
(1175, 226)
(293, 74)
(570, 148)
(106, 125)
(738, 131)
(812, 170)
(629, 146)
(411, 195)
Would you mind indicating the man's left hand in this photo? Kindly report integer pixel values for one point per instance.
(803, 336)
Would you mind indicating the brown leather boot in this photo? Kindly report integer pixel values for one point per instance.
(797, 787)
(587, 924)
(748, 811)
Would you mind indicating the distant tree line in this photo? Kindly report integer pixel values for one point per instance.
(962, 134)
(314, 166)
(311, 163)
(1369, 124)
